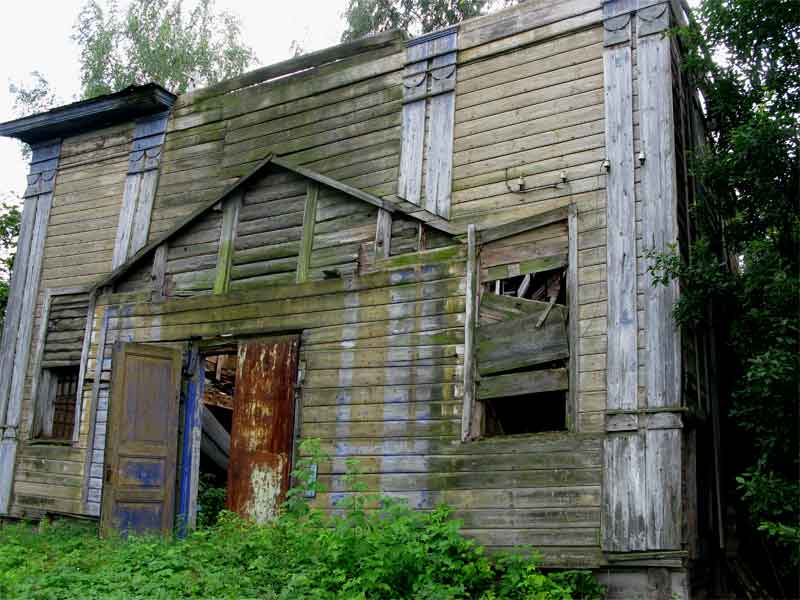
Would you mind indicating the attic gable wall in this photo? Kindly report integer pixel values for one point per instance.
(274, 227)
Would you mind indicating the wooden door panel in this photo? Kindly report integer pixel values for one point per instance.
(139, 488)
(263, 426)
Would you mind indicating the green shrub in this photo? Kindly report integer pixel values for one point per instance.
(375, 548)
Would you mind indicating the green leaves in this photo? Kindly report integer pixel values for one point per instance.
(377, 548)
(742, 274)
(157, 40)
(414, 17)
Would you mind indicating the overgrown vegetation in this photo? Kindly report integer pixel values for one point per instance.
(388, 551)
(742, 278)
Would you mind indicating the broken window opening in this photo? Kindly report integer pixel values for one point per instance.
(542, 286)
(523, 354)
(58, 389)
(529, 413)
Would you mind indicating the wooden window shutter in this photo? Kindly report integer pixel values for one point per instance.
(140, 187)
(426, 162)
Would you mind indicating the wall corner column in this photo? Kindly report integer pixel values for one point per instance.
(24, 292)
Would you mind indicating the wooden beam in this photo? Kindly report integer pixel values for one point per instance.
(383, 234)
(191, 443)
(521, 384)
(227, 239)
(623, 360)
(215, 431)
(309, 223)
(525, 224)
(573, 307)
(470, 319)
(212, 451)
(663, 465)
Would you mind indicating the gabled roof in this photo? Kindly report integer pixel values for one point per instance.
(128, 104)
(423, 216)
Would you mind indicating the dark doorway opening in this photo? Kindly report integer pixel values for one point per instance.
(215, 444)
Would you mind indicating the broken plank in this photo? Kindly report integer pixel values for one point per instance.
(519, 384)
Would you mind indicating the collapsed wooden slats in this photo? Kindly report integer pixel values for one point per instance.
(519, 343)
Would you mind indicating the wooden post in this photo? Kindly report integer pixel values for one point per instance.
(660, 232)
(189, 476)
(383, 234)
(574, 315)
(467, 416)
(624, 495)
(309, 222)
(140, 187)
(227, 239)
(18, 328)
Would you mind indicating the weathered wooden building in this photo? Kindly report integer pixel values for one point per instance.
(431, 254)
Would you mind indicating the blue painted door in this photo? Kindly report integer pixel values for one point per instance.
(141, 448)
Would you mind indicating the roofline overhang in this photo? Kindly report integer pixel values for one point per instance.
(86, 115)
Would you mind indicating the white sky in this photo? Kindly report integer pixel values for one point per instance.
(269, 26)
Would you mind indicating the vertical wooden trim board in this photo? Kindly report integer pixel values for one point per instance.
(659, 218)
(18, 329)
(623, 518)
(309, 222)
(383, 234)
(227, 240)
(429, 79)
(190, 444)
(140, 187)
(623, 363)
(574, 312)
(95, 443)
(87, 344)
(470, 318)
(660, 231)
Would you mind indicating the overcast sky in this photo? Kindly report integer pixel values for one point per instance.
(269, 26)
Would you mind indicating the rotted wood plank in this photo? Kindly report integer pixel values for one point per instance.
(524, 224)
(309, 223)
(469, 428)
(383, 234)
(496, 308)
(521, 342)
(525, 267)
(519, 384)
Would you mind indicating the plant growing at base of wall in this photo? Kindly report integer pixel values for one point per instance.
(374, 548)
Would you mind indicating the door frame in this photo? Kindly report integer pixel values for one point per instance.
(192, 388)
(110, 466)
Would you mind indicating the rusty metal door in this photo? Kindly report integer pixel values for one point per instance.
(263, 426)
(139, 479)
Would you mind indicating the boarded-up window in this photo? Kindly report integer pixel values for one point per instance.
(429, 79)
(57, 399)
(58, 359)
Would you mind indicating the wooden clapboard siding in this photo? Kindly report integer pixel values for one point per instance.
(383, 328)
(383, 379)
(86, 204)
(347, 109)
